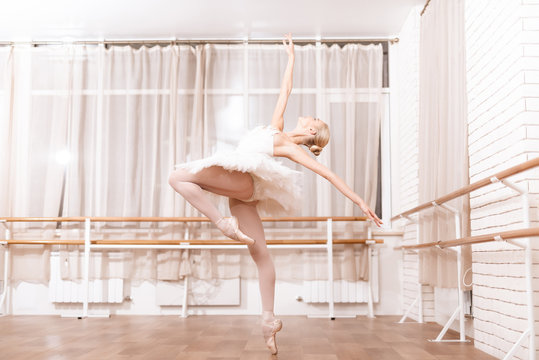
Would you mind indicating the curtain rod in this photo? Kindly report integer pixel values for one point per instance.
(425, 7)
(200, 41)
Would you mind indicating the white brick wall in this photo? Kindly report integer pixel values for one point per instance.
(406, 86)
(502, 57)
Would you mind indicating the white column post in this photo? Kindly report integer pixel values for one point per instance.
(528, 260)
(86, 273)
(185, 292)
(186, 279)
(460, 307)
(419, 297)
(529, 277)
(329, 245)
(4, 300)
(458, 234)
(370, 313)
(419, 286)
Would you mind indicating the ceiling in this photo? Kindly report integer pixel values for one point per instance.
(24, 20)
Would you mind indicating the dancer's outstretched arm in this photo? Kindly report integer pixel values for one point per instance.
(277, 121)
(295, 153)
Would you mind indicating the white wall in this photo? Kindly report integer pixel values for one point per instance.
(502, 56)
(502, 50)
(404, 66)
(33, 299)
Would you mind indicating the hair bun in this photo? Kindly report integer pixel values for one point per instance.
(315, 149)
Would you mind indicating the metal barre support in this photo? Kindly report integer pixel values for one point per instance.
(329, 244)
(526, 244)
(460, 307)
(5, 290)
(370, 300)
(88, 246)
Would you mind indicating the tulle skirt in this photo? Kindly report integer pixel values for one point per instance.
(276, 187)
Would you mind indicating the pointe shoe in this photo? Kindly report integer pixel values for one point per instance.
(229, 227)
(269, 329)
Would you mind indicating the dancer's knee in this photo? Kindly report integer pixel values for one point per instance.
(261, 257)
(177, 176)
(178, 183)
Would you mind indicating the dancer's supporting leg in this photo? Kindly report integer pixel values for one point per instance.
(248, 215)
(217, 180)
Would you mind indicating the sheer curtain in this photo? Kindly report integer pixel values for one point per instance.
(95, 131)
(5, 143)
(443, 137)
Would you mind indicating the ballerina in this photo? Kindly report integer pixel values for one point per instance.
(254, 181)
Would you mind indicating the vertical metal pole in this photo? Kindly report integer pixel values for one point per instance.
(458, 234)
(329, 245)
(369, 259)
(5, 291)
(420, 287)
(528, 260)
(8, 275)
(186, 236)
(185, 292)
(86, 267)
(529, 277)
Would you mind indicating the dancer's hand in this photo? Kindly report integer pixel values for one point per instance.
(290, 46)
(370, 214)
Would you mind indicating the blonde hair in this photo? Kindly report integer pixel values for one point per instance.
(319, 140)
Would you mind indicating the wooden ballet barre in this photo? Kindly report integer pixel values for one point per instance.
(173, 219)
(189, 244)
(476, 185)
(183, 242)
(499, 236)
(43, 219)
(43, 242)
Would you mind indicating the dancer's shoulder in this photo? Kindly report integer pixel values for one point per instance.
(283, 145)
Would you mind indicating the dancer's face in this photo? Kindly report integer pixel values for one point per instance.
(310, 124)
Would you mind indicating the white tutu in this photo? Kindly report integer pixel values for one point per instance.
(276, 187)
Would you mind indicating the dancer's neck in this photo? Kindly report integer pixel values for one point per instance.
(298, 136)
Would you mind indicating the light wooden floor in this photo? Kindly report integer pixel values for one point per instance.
(223, 337)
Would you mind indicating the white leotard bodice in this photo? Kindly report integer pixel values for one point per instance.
(258, 140)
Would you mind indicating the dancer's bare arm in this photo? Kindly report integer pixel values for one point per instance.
(277, 121)
(295, 153)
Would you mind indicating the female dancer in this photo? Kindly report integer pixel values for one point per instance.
(253, 181)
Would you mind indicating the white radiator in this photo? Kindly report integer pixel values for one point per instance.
(66, 291)
(222, 292)
(316, 291)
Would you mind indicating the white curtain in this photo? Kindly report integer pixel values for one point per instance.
(95, 131)
(443, 137)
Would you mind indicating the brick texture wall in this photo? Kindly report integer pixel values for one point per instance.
(502, 57)
(502, 60)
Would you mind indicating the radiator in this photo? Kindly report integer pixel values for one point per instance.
(67, 291)
(222, 292)
(317, 291)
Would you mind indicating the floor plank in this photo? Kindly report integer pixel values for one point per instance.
(223, 338)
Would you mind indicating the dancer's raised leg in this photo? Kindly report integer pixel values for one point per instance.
(252, 226)
(220, 181)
